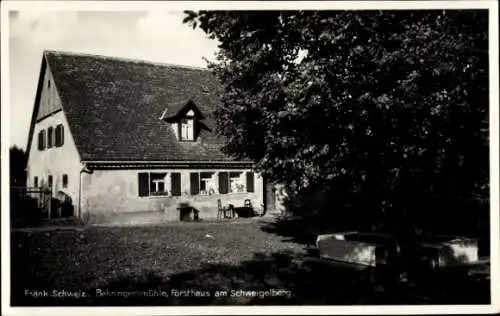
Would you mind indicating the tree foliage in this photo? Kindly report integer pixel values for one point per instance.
(18, 161)
(386, 110)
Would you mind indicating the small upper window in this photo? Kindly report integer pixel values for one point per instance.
(59, 139)
(48, 83)
(41, 140)
(65, 181)
(35, 182)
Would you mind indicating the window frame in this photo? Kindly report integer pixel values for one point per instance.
(242, 179)
(59, 135)
(185, 122)
(41, 140)
(165, 192)
(150, 193)
(230, 189)
(200, 179)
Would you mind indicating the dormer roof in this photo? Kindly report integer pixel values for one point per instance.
(174, 112)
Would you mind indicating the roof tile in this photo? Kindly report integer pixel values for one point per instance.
(114, 107)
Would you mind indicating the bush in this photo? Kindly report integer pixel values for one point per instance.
(25, 211)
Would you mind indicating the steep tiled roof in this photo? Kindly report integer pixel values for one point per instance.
(114, 106)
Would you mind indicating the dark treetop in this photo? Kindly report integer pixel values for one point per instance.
(386, 109)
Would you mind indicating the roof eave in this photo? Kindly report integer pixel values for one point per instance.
(181, 164)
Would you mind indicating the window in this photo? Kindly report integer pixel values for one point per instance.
(65, 181)
(49, 182)
(41, 140)
(234, 181)
(50, 135)
(59, 135)
(154, 184)
(35, 182)
(207, 182)
(158, 184)
(202, 183)
(187, 129)
(48, 83)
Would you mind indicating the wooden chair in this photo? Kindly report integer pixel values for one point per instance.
(220, 210)
(247, 203)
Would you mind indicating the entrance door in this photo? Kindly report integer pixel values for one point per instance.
(270, 197)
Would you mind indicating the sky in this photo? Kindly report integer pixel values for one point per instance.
(148, 35)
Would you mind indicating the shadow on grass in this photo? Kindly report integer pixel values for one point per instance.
(304, 230)
(283, 278)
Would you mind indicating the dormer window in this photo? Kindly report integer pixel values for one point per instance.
(185, 119)
(187, 127)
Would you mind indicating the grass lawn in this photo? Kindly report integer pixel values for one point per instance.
(198, 258)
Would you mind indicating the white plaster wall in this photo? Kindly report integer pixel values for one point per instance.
(49, 100)
(54, 161)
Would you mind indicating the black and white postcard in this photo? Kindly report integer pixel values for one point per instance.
(250, 157)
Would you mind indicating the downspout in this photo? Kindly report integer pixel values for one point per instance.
(83, 170)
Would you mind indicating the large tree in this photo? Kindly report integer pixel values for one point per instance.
(385, 111)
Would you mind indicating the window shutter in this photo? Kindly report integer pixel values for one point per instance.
(61, 135)
(50, 135)
(41, 140)
(143, 184)
(250, 182)
(223, 182)
(195, 183)
(175, 183)
(56, 141)
(58, 136)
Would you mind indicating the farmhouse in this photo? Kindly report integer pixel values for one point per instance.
(119, 136)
